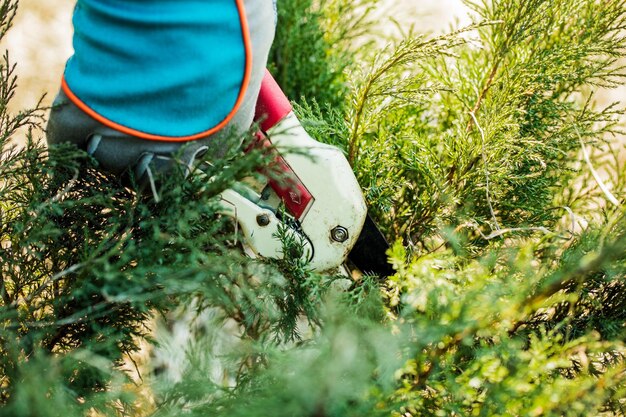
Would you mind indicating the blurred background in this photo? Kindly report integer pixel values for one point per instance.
(40, 41)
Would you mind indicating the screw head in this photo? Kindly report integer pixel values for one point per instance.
(339, 234)
(263, 220)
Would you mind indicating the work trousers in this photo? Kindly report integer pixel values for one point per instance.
(120, 153)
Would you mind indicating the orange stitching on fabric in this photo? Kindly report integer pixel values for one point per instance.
(143, 135)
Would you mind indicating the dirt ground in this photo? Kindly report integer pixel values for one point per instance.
(39, 42)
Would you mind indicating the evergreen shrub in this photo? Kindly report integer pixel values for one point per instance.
(481, 153)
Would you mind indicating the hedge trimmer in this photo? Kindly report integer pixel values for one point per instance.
(316, 200)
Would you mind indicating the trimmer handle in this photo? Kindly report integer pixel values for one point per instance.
(317, 185)
(272, 105)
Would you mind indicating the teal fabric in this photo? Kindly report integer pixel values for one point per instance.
(164, 67)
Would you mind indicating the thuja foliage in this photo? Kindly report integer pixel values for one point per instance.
(87, 263)
(483, 157)
(311, 50)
